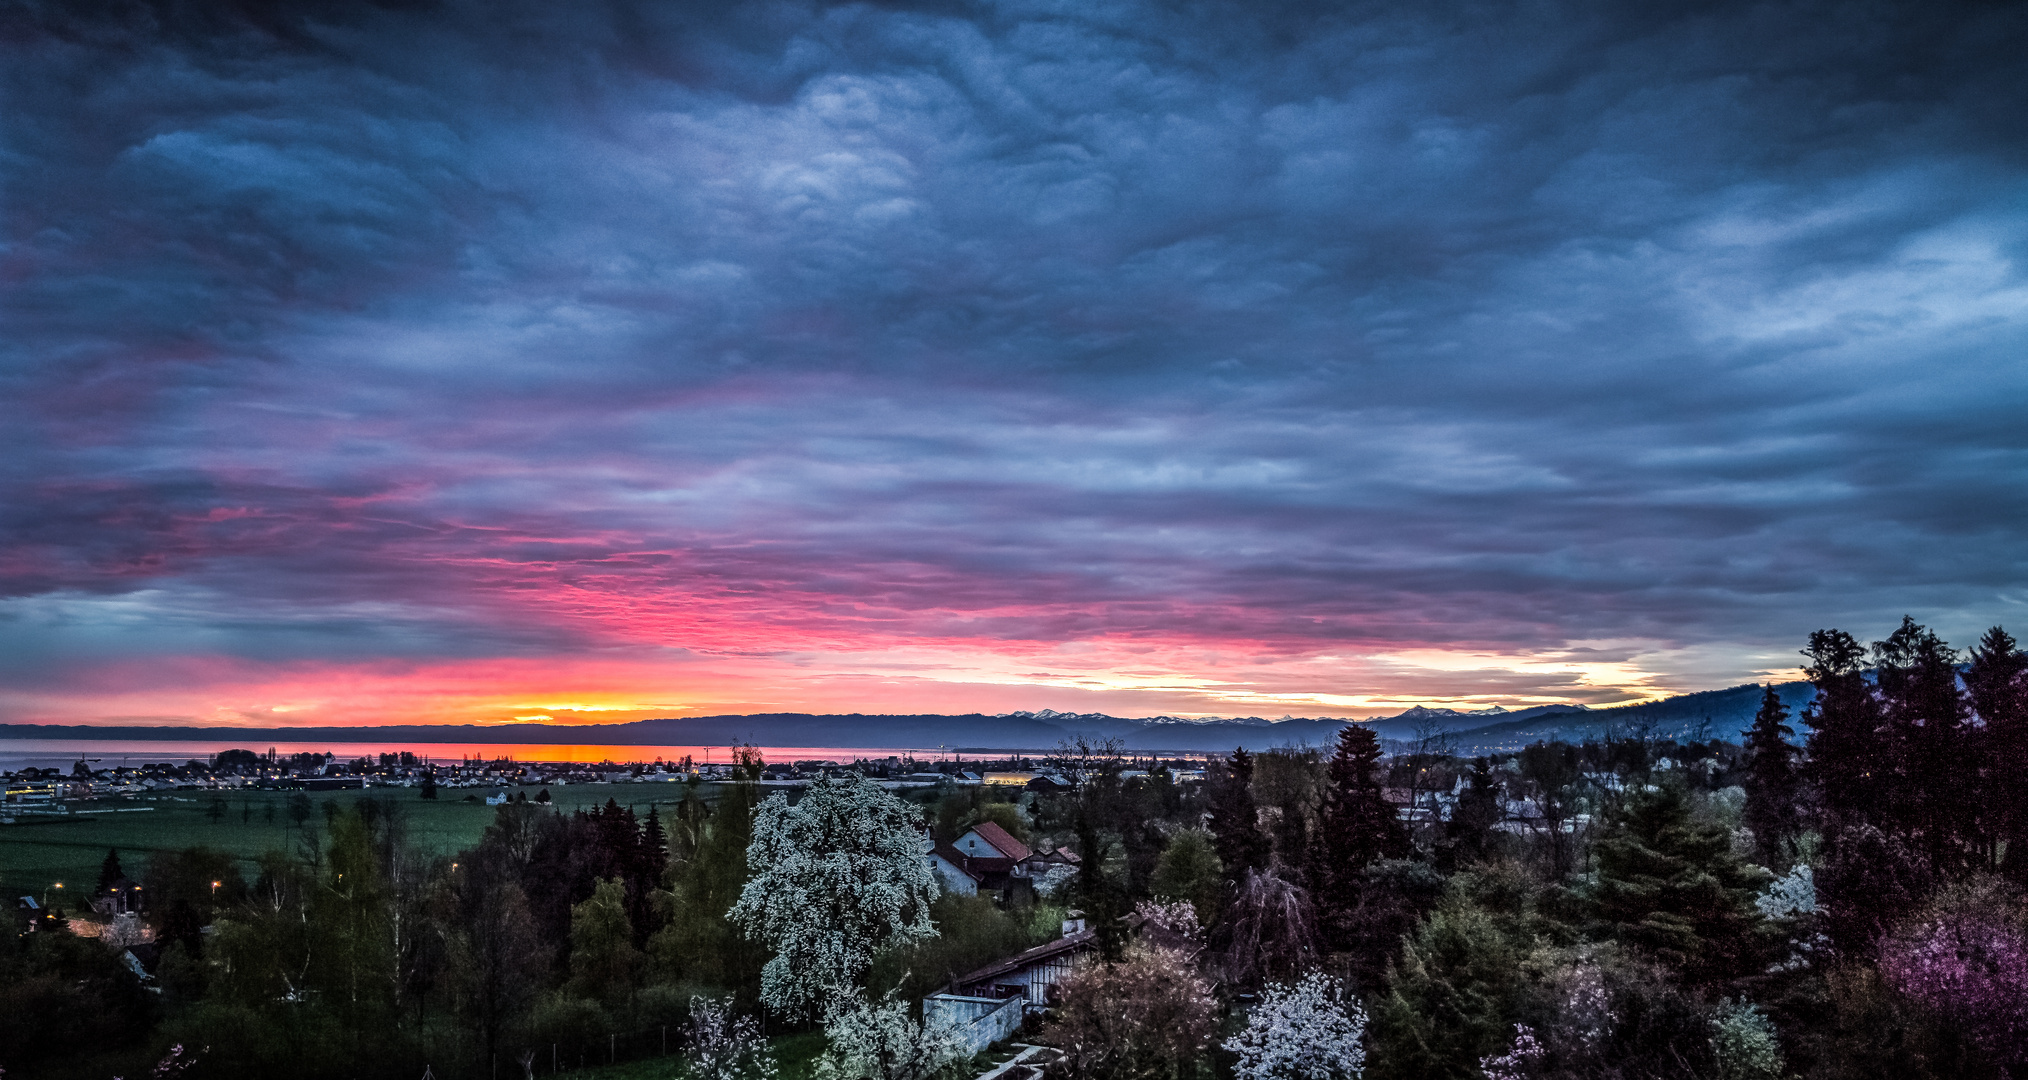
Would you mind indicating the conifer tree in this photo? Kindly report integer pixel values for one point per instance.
(1997, 681)
(1672, 885)
(1235, 818)
(1357, 824)
(1928, 724)
(1848, 763)
(1772, 786)
(109, 872)
(1468, 834)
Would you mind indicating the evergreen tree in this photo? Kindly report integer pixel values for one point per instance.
(1772, 785)
(429, 783)
(654, 846)
(1848, 762)
(1468, 835)
(1997, 680)
(109, 872)
(1928, 724)
(1672, 885)
(1356, 825)
(1452, 1000)
(1235, 819)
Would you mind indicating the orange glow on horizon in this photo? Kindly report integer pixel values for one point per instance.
(1123, 678)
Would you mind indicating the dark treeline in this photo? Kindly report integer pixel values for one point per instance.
(557, 938)
(357, 955)
(1847, 907)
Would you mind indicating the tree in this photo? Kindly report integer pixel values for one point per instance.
(1772, 783)
(1744, 1042)
(1965, 958)
(497, 959)
(697, 943)
(1997, 681)
(1269, 930)
(1869, 879)
(1452, 1000)
(1235, 819)
(429, 783)
(879, 1040)
(1151, 1017)
(603, 960)
(1928, 722)
(109, 872)
(1848, 763)
(835, 879)
(1552, 771)
(1356, 826)
(1189, 870)
(1468, 835)
(719, 1045)
(1312, 1030)
(1287, 785)
(1673, 886)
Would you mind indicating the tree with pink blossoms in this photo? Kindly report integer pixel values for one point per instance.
(1965, 958)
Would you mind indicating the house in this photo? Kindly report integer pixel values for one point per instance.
(986, 857)
(989, 1004)
(1032, 975)
(1046, 784)
(120, 897)
(1048, 871)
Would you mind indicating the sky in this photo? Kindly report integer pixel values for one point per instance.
(473, 362)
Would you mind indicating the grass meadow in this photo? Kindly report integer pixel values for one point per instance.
(37, 852)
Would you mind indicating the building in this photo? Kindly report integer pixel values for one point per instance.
(1032, 975)
(985, 858)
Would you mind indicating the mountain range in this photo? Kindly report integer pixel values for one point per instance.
(1709, 714)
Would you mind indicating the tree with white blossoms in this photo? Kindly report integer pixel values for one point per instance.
(720, 1045)
(1790, 898)
(834, 879)
(882, 1041)
(1744, 1042)
(1309, 1031)
(1791, 902)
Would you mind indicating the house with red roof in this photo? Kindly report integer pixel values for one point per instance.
(990, 860)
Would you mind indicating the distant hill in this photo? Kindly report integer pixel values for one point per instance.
(1709, 714)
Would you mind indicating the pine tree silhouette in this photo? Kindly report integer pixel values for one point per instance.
(1356, 824)
(1235, 818)
(1773, 785)
(1927, 727)
(1848, 763)
(1997, 681)
(109, 872)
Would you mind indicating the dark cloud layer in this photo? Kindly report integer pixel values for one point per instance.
(1299, 331)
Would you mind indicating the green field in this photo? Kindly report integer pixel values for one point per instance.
(38, 852)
